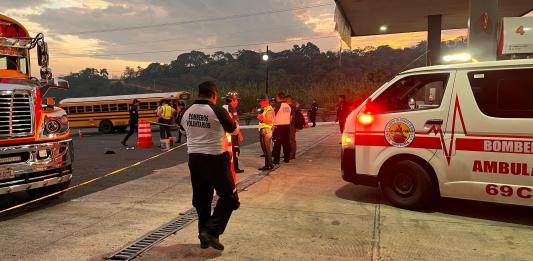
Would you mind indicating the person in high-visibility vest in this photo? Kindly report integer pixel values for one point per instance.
(232, 101)
(266, 122)
(165, 113)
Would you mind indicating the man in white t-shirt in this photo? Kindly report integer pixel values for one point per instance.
(282, 129)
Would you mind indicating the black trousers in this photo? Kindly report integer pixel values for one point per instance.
(236, 148)
(164, 130)
(208, 173)
(282, 138)
(312, 117)
(132, 129)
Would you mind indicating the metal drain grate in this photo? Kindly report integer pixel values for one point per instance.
(149, 240)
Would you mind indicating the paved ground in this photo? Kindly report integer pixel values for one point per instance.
(302, 211)
(91, 162)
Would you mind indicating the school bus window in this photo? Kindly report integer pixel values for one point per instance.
(144, 106)
(88, 108)
(105, 107)
(79, 109)
(153, 105)
(97, 108)
(123, 107)
(112, 107)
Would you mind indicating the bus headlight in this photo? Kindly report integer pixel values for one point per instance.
(54, 125)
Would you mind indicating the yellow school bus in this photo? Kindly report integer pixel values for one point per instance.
(109, 113)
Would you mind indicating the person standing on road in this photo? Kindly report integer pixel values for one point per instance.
(133, 121)
(342, 112)
(232, 101)
(180, 105)
(266, 120)
(164, 114)
(313, 112)
(292, 135)
(282, 129)
(205, 125)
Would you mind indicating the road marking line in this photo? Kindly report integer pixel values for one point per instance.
(91, 180)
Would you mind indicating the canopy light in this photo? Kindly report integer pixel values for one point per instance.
(383, 28)
(461, 57)
(265, 57)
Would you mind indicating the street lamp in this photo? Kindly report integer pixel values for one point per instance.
(265, 58)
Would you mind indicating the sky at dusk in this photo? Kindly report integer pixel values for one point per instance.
(90, 33)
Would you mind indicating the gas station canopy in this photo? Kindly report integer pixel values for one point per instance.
(366, 17)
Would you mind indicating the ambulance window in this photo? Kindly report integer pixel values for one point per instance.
(503, 93)
(418, 92)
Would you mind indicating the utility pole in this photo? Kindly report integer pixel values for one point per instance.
(266, 90)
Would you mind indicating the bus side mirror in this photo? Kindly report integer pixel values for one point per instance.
(42, 54)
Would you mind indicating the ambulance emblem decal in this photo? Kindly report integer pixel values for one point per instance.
(399, 132)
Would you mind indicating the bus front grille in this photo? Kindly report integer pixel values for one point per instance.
(16, 118)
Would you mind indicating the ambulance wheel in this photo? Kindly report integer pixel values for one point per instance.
(408, 185)
(106, 127)
(45, 191)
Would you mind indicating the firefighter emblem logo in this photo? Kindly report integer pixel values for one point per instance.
(399, 132)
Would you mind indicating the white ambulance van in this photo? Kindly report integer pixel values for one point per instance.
(460, 131)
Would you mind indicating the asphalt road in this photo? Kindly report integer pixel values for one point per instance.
(92, 161)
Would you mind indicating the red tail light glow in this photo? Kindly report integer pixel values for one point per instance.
(365, 118)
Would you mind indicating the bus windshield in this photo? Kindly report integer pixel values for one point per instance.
(19, 64)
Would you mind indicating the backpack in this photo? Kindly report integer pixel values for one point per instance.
(299, 120)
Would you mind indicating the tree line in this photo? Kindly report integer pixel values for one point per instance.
(304, 71)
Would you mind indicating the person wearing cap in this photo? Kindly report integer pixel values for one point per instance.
(205, 125)
(282, 129)
(164, 113)
(232, 101)
(266, 122)
(133, 121)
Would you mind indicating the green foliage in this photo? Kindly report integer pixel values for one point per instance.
(304, 72)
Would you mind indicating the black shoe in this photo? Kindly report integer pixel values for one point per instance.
(123, 143)
(264, 168)
(275, 162)
(286, 160)
(211, 240)
(239, 171)
(203, 244)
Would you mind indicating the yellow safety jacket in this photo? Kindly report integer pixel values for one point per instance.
(263, 125)
(166, 112)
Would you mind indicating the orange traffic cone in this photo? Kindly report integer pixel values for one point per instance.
(145, 135)
(80, 134)
(306, 119)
